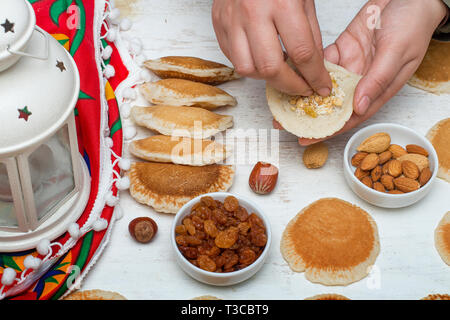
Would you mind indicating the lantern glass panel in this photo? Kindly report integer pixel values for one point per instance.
(52, 161)
(7, 211)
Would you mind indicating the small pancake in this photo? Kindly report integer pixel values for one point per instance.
(303, 125)
(191, 68)
(433, 74)
(94, 295)
(439, 137)
(437, 297)
(188, 122)
(195, 152)
(442, 238)
(334, 242)
(179, 92)
(327, 296)
(206, 298)
(167, 187)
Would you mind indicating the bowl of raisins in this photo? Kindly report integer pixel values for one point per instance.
(220, 238)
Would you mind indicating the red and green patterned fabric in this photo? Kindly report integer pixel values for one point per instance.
(52, 16)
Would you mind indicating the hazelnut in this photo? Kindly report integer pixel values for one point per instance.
(143, 229)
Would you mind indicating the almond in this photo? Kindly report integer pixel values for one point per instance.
(395, 168)
(420, 160)
(370, 161)
(406, 184)
(357, 158)
(263, 178)
(359, 174)
(367, 181)
(387, 181)
(414, 148)
(375, 174)
(397, 151)
(376, 143)
(315, 155)
(385, 168)
(396, 192)
(425, 176)
(410, 169)
(379, 186)
(385, 156)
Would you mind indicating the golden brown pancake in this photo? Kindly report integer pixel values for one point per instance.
(328, 296)
(196, 123)
(167, 187)
(437, 297)
(179, 92)
(94, 295)
(191, 68)
(439, 137)
(206, 298)
(179, 150)
(442, 238)
(334, 242)
(433, 74)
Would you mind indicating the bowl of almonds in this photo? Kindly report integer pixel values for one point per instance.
(389, 165)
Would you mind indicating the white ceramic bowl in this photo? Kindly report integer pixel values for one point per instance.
(399, 135)
(213, 278)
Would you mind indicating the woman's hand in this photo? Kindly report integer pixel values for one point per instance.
(248, 30)
(387, 56)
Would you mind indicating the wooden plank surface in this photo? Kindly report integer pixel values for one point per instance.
(408, 266)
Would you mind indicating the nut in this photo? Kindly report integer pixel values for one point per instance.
(396, 192)
(397, 151)
(370, 161)
(424, 176)
(385, 156)
(263, 178)
(379, 186)
(315, 155)
(414, 148)
(143, 229)
(367, 181)
(410, 170)
(376, 143)
(359, 174)
(357, 158)
(376, 173)
(385, 167)
(420, 160)
(406, 184)
(395, 168)
(387, 181)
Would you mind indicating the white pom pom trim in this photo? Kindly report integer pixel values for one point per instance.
(107, 52)
(129, 93)
(125, 110)
(125, 24)
(124, 164)
(123, 183)
(112, 35)
(43, 247)
(118, 212)
(31, 262)
(74, 231)
(100, 224)
(109, 71)
(109, 142)
(111, 200)
(8, 277)
(129, 133)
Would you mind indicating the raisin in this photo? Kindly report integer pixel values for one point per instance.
(206, 263)
(187, 222)
(193, 241)
(210, 228)
(213, 252)
(208, 201)
(227, 238)
(189, 252)
(241, 213)
(259, 239)
(180, 230)
(231, 204)
(247, 256)
(256, 222)
(220, 216)
(182, 240)
(243, 228)
(231, 261)
(197, 222)
(220, 261)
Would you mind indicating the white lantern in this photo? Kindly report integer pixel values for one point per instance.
(44, 182)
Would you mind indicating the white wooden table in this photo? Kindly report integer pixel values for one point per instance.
(408, 266)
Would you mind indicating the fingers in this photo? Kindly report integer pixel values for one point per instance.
(297, 36)
(240, 54)
(268, 59)
(277, 125)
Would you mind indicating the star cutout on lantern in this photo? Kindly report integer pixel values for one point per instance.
(60, 65)
(24, 113)
(8, 26)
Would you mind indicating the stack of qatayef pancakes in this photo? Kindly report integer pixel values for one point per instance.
(334, 242)
(442, 238)
(437, 297)
(94, 295)
(182, 162)
(439, 136)
(328, 296)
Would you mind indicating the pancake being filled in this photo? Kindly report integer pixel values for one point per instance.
(315, 116)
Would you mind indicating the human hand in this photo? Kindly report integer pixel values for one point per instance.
(386, 57)
(247, 32)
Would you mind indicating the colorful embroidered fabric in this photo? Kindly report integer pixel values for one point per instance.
(97, 105)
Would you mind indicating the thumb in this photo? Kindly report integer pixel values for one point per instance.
(387, 63)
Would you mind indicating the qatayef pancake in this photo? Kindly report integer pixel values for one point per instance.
(437, 297)
(328, 296)
(439, 137)
(188, 122)
(179, 92)
(206, 298)
(305, 117)
(334, 242)
(191, 68)
(442, 238)
(167, 187)
(94, 295)
(433, 74)
(196, 152)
